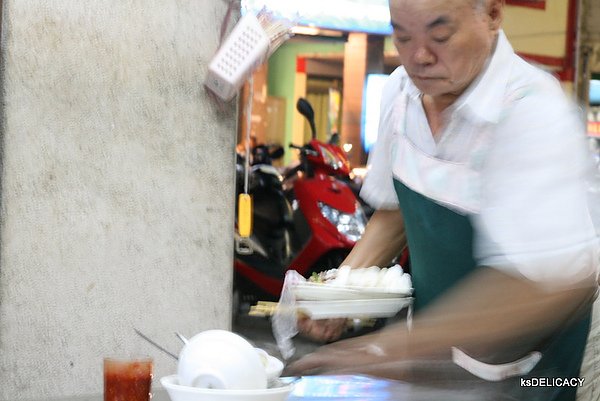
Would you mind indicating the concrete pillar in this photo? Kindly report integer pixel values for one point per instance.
(117, 194)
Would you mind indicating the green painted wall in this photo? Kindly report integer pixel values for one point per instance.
(282, 75)
(388, 44)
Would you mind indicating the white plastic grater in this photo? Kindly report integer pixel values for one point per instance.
(246, 49)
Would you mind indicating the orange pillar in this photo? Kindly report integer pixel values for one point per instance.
(363, 55)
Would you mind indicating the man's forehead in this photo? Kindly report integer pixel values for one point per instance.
(404, 3)
(432, 5)
(434, 12)
(435, 22)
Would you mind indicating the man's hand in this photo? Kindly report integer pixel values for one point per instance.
(323, 330)
(367, 354)
(383, 240)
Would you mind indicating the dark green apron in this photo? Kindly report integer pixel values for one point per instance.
(441, 253)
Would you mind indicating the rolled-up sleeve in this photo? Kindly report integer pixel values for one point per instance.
(536, 220)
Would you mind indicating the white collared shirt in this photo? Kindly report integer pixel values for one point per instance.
(513, 157)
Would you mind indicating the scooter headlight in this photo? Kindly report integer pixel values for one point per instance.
(351, 226)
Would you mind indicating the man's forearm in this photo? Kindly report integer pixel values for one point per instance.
(491, 310)
(491, 316)
(382, 241)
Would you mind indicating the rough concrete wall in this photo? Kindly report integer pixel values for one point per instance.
(116, 190)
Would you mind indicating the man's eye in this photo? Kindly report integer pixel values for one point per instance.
(402, 39)
(441, 39)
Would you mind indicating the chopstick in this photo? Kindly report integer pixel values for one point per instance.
(263, 309)
(266, 309)
(139, 333)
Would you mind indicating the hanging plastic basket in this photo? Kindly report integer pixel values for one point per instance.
(250, 43)
(245, 50)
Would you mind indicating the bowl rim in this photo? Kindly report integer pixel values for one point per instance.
(274, 364)
(172, 382)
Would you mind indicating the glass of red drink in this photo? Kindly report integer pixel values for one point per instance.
(127, 379)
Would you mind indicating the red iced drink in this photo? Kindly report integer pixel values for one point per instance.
(127, 379)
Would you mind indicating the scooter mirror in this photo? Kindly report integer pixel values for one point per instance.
(277, 153)
(304, 107)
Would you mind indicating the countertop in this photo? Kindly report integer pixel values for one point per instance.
(334, 388)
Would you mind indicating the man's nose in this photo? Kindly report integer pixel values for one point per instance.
(424, 56)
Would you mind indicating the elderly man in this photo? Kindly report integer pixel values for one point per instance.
(480, 167)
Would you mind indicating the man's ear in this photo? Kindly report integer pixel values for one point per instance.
(495, 12)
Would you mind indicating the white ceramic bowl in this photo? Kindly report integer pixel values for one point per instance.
(181, 393)
(273, 366)
(273, 369)
(220, 359)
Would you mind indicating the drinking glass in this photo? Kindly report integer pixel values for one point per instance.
(127, 379)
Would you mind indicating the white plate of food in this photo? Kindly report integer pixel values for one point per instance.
(310, 291)
(359, 308)
(345, 283)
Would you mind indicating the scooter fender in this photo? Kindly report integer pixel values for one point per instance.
(310, 192)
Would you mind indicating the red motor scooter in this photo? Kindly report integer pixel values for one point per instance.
(308, 228)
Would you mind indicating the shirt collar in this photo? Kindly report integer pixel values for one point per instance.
(484, 97)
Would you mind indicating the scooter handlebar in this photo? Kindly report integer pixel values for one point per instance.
(292, 172)
(305, 149)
